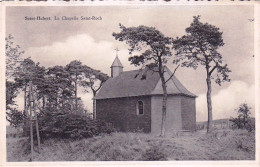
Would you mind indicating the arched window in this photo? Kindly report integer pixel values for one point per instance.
(140, 108)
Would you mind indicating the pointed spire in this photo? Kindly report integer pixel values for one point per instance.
(117, 63)
(116, 67)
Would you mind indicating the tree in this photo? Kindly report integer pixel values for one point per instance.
(93, 79)
(75, 70)
(28, 71)
(12, 55)
(23, 75)
(243, 120)
(15, 117)
(60, 88)
(41, 80)
(155, 48)
(199, 47)
(11, 93)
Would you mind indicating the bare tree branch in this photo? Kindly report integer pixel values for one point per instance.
(213, 69)
(172, 73)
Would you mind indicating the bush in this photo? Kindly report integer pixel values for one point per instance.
(14, 117)
(250, 125)
(154, 154)
(67, 125)
(243, 121)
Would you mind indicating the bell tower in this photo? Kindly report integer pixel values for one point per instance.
(116, 67)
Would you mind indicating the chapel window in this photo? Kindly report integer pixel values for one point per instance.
(140, 108)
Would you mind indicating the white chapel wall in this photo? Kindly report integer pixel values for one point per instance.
(173, 114)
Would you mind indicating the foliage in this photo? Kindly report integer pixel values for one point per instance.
(11, 93)
(155, 46)
(59, 89)
(55, 87)
(154, 154)
(27, 71)
(93, 79)
(12, 55)
(199, 47)
(155, 51)
(243, 120)
(75, 70)
(67, 125)
(15, 117)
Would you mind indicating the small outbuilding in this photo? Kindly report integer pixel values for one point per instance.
(132, 101)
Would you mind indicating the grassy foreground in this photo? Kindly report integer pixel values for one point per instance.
(218, 145)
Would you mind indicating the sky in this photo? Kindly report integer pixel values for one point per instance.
(57, 42)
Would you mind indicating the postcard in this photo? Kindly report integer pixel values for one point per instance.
(130, 83)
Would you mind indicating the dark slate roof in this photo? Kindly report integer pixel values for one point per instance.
(127, 85)
(117, 63)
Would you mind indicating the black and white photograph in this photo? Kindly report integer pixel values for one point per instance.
(131, 82)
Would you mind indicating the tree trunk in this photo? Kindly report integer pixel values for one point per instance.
(164, 104)
(94, 105)
(76, 98)
(164, 110)
(25, 112)
(209, 103)
(43, 103)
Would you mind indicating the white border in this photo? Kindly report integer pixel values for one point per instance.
(128, 163)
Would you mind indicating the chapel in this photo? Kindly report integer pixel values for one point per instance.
(132, 101)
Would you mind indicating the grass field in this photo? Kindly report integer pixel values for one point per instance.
(219, 145)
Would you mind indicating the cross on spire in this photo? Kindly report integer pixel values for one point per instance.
(117, 50)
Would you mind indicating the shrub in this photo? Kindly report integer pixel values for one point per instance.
(154, 154)
(243, 121)
(250, 125)
(14, 117)
(67, 125)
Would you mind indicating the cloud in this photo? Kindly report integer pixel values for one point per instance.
(226, 100)
(83, 47)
